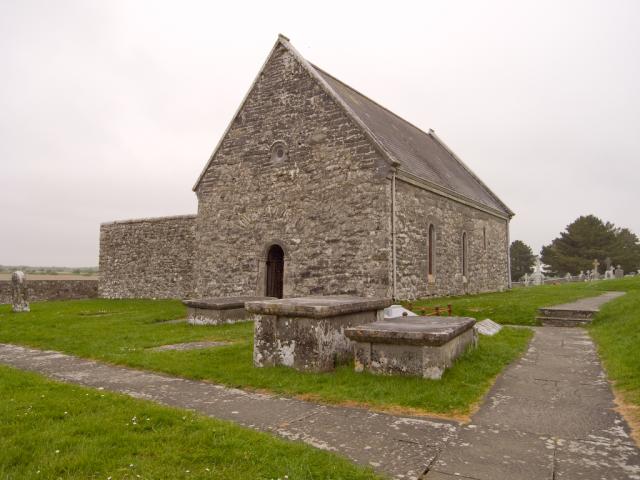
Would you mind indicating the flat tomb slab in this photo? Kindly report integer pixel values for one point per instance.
(188, 346)
(420, 346)
(219, 310)
(317, 307)
(308, 333)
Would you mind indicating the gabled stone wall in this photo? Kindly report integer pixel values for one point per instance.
(147, 258)
(327, 204)
(487, 262)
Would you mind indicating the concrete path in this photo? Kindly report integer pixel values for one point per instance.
(591, 304)
(401, 447)
(548, 417)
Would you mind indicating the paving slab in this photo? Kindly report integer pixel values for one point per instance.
(399, 446)
(550, 415)
(591, 304)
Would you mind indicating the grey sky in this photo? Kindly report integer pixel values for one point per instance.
(110, 109)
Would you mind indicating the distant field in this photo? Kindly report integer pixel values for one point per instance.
(61, 276)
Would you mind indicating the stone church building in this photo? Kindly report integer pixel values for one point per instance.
(315, 189)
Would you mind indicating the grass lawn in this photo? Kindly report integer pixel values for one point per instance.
(51, 430)
(616, 331)
(121, 331)
(519, 306)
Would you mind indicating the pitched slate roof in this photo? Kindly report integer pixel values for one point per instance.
(420, 153)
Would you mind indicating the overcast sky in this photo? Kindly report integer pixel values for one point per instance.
(110, 109)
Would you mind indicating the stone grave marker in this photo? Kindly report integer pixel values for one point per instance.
(19, 292)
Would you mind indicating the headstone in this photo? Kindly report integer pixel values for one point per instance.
(594, 272)
(568, 277)
(487, 327)
(397, 311)
(581, 276)
(526, 280)
(608, 274)
(538, 276)
(19, 292)
(619, 272)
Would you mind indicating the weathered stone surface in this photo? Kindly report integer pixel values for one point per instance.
(147, 258)
(308, 333)
(317, 307)
(421, 346)
(41, 290)
(487, 327)
(412, 330)
(222, 303)
(188, 346)
(486, 239)
(219, 310)
(19, 301)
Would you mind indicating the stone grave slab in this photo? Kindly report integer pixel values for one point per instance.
(188, 346)
(219, 310)
(307, 333)
(487, 327)
(420, 346)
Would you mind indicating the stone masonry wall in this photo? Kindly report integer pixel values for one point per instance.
(487, 265)
(327, 204)
(40, 290)
(147, 258)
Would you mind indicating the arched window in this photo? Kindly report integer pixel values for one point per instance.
(465, 254)
(431, 249)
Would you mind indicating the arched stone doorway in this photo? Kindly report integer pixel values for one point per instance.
(275, 271)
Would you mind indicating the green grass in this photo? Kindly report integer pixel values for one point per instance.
(519, 305)
(121, 331)
(616, 330)
(50, 430)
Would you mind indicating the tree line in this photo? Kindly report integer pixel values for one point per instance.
(587, 239)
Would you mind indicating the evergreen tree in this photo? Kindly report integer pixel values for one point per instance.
(522, 259)
(586, 239)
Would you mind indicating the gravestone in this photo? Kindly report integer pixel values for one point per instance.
(487, 327)
(608, 274)
(619, 272)
(538, 276)
(594, 273)
(397, 311)
(526, 280)
(219, 310)
(582, 276)
(308, 333)
(568, 277)
(19, 292)
(420, 346)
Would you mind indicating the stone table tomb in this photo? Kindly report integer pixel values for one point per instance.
(218, 310)
(307, 333)
(422, 346)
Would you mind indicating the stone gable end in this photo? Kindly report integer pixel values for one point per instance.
(326, 203)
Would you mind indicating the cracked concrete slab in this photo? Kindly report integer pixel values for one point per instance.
(398, 446)
(551, 415)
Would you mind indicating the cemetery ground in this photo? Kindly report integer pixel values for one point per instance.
(53, 430)
(124, 331)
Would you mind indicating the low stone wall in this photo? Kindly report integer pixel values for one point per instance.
(40, 290)
(147, 258)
